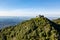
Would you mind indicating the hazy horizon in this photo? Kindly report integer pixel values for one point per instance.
(48, 8)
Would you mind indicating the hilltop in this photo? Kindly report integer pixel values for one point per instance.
(39, 28)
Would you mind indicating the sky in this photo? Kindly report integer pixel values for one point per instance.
(48, 8)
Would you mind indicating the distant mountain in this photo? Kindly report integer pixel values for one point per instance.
(6, 21)
(39, 28)
(52, 18)
(57, 21)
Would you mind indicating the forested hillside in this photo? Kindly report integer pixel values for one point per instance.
(39, 28)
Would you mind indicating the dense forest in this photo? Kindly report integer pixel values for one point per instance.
(39, 28)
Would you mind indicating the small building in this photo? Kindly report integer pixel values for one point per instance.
(41, 16)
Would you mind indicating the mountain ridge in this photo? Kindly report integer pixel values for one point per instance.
(39, 28)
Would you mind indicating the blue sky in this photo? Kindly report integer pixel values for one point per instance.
(30, 8)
